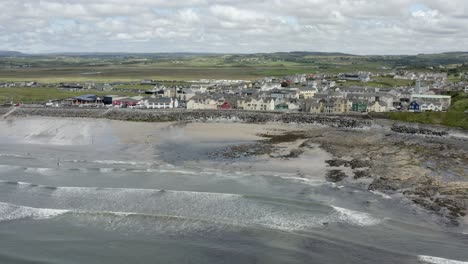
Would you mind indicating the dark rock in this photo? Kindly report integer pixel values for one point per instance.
(337, 162)
(358, 174)
(357, 163)
(335, 176)
(417, 130)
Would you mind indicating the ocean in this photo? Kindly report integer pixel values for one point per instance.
(100, 191)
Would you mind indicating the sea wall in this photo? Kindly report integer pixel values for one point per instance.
(338, 121)
(198, 115)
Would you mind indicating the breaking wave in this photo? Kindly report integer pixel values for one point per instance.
(9, 212)
(234, 209)
(356, 218)
(435, 260)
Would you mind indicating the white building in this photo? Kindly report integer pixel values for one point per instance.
(158, 103)
(270, 86)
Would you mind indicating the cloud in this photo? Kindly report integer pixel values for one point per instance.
(354, 26)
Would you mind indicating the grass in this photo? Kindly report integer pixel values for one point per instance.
(42, 95)
(54, 69)
(454, 117)
(450, 119)
(380, 82)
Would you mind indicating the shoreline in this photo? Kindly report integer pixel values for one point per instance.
(346, 121)
(428, 171)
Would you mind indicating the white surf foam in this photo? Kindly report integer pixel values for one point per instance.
(10, 212)
(383, 195)
(355, 217)
(9, 167)
(42, 171)
(436, 260)
(13, 155)
(118, 162)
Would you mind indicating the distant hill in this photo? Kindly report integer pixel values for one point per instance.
(5, 53)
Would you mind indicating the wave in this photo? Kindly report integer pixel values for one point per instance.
(9, 212)
(15, 156)
(118, 162)
(270, 212)
(9, 167)
(436, 260)
(383, 195)
(356, 218)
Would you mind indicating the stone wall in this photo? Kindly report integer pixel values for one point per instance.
(198, 115)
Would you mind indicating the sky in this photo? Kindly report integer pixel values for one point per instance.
(234, 26)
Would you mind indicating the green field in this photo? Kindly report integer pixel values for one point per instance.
(184, 67)
(42, 95)
(380, 82)
(455, 117)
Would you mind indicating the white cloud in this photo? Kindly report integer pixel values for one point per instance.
(355, 26)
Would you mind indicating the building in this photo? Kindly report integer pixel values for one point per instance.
(442, 102)
(88, 99)
(414, 107)
(316, 107)
(257, 104)
(202, 102)
(270, 86)
(377, 107)
(340, 106)
(158, 103)
(224, 105)
(307, 92)
(359, 106)
(124, 102)
(360, 76)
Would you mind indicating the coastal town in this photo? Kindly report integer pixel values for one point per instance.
(313, 93)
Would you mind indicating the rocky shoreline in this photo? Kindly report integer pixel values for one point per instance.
(352, 121)
(422, 163)
(430, 172)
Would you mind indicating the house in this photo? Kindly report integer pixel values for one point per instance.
(340, 106)
(360, 76)
(185, 94)
(377, 107)
(202, 102)
(155, 92)
(282, 107)
(270, 86)
(307, 92)
(441, 101)
(87, 99)
(414, 107)
(158, 103)
(359, 106)
(277, 94)
(257, 104)
(124, 102)
(317, 107)
(294, 105)
(224, 105)
(329, 107)
(71, 87)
